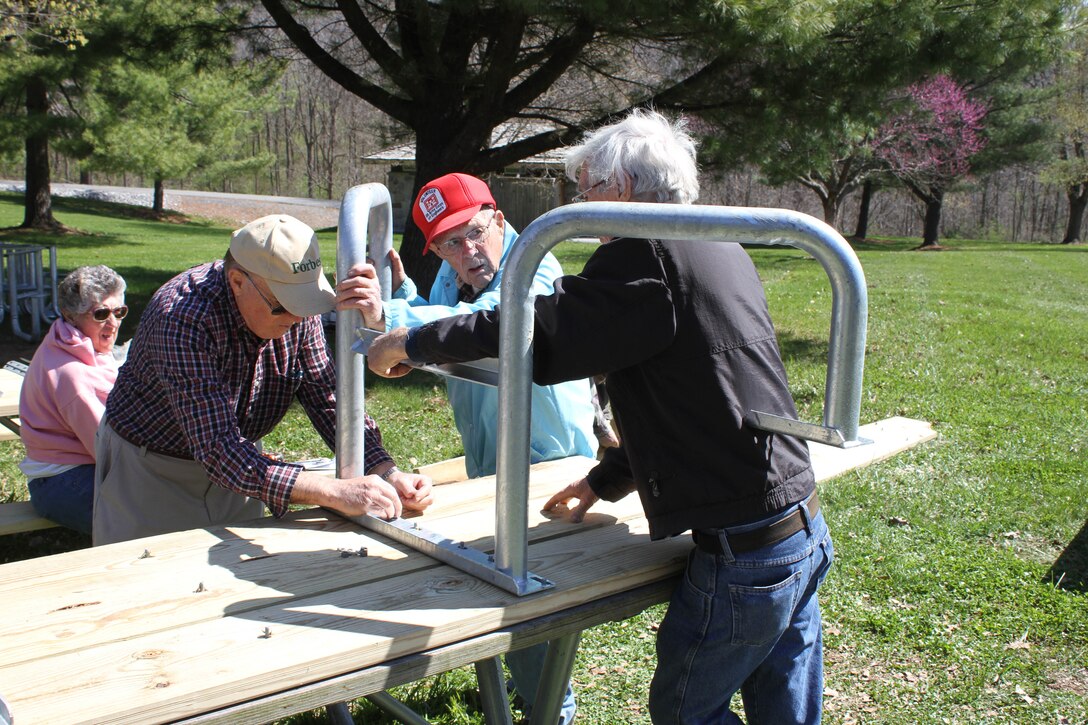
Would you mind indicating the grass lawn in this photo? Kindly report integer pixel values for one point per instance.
(959, 592)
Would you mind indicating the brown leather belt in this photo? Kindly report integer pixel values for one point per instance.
(758, 538)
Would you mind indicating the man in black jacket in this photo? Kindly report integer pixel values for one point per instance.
(683, 333)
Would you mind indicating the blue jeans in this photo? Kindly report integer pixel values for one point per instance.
(66, 498)
(526, 666)
(748, 622)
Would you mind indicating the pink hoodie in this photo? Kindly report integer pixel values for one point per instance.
(64, 396)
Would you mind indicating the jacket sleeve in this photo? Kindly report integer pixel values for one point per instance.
(617, 312)
(413, 311)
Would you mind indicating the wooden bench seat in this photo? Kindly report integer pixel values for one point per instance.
(19, 516)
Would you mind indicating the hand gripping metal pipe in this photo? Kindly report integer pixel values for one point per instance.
(366, 212)
(366, 219)
(846, 352)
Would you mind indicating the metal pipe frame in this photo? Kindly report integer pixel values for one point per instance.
(770, 227)
(366, 220)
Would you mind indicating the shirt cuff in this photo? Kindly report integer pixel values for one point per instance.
(281, 477)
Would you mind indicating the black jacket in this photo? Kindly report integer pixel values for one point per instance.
(683, 333)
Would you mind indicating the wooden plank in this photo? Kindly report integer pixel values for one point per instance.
(182, 671)
(450, 470)
(888, 436)
(10, 385)
(110, 592)
(410, 668)
(18, 516)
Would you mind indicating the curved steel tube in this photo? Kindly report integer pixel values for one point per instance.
(366, 215)
(846, 351)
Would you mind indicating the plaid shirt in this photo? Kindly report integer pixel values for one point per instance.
(199, 385)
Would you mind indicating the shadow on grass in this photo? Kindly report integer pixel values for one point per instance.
(1070, 570)
(32, 544)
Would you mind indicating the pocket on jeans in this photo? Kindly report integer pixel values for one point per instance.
(762, 613)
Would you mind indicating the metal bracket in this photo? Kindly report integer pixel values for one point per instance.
(457, 554)
(809, 431)
(484, 372)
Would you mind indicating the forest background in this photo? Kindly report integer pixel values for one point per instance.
(929, 118)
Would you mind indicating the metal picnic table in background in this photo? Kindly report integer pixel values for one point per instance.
(28, 286)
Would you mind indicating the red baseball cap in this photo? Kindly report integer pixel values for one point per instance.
(447, 202)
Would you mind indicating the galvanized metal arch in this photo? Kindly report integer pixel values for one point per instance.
(846, 351)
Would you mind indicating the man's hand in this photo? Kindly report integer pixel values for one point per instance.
(368, 495)
(386, 354)
(414, 489)
(580, 490)
(396, 269)
(361, 291)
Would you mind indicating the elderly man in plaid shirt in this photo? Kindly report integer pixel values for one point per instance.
(221, 352)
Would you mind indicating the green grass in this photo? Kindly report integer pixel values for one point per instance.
(973, 611)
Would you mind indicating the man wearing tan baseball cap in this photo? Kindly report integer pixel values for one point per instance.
(221, 352)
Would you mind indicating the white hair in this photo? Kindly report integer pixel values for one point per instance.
(645, 150)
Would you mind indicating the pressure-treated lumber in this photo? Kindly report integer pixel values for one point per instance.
(19, 516)
(10, 385)
(276, 615)
(447, 471)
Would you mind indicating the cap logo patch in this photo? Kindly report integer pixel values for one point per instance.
(431, 204)
(305, 265)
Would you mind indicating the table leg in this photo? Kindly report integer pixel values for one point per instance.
(493, 691)
(558, 664)
(339, 714)
(397, 709)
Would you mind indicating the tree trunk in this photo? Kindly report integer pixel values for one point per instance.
(862, 229)
(830, 203)
(437, 153)
(159, 197)
(931, 226)
(1078, 200)
(38, 208)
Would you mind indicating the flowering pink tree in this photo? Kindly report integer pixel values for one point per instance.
(929, 146)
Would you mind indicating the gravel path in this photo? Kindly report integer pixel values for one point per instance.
(229, 208)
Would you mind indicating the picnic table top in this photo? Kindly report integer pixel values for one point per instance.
(10, 385)
(185, 624)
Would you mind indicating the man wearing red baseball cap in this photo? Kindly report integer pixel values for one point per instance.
(462, 225)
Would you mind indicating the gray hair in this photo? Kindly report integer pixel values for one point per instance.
(655, 156)
(84, 287)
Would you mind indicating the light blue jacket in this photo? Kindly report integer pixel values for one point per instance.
(562, 415)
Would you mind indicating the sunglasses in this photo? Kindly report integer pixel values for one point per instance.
(103, 313)
(272, 309)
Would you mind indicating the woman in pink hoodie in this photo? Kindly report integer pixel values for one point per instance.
(64, 395)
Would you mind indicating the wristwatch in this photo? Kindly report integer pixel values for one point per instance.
(389, 472)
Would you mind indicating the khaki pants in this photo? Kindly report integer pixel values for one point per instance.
(138, 493)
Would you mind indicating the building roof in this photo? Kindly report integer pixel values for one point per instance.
(503, 134)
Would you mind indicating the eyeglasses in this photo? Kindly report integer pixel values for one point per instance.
(474, 238)
(272, 309)
(581, 195)
(103, 313)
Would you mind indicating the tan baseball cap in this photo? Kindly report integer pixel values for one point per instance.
(284, 252)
